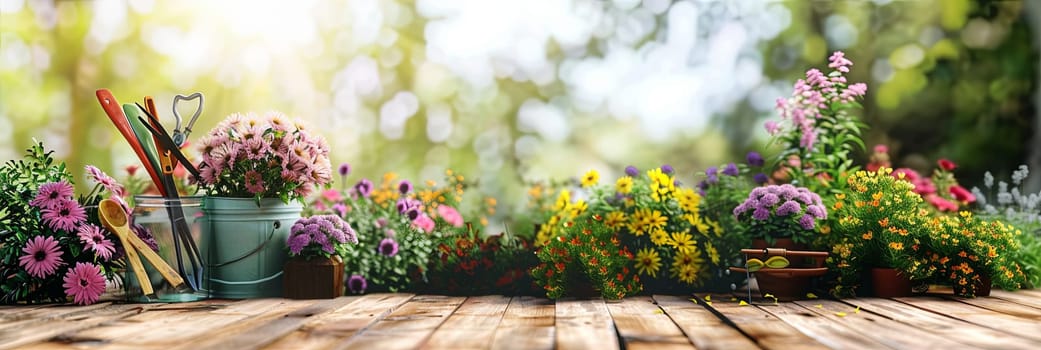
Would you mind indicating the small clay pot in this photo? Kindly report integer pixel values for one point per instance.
(890, 283)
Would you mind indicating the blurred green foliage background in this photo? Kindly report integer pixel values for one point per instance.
(514, 91)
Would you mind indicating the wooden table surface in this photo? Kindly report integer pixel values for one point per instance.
(1005, 320)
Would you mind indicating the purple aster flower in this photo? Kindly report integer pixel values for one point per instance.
(712, 179)
(412, 214)
(344, 169)
(50, 194)
(804, 197)
(632, 171)
(807, 222)
(760, 191)
(66, 215)
(42, 256)
(667, 169)
(703, 185)
(297, 243)
(817, 211)
(754, 159)
(388, 247)
(711, 171)
(356, 284)
(730, 169)
(788, 208)
(402, 205)
(404, 187)
(769, 199)
(760, 178)
(760, 214)
(364, 188)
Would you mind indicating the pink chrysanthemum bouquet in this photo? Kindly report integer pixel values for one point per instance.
(263, 157)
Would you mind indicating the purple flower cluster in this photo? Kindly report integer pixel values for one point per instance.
(783, 202)
(814, 94)
(363, 188)
(323, 232)
(755, 159)
(409, 207)
(300, 159)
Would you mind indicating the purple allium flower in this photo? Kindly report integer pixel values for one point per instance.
(711, 171)
(632, 171)
(769, 200)
(404, 187)
(364, 188)
(388, 247)
(712, 179)
(807, 222)
(356, 284)
(667, 169)
(84, 283)
(42, 256)
(817, 211)
(344, 169)
(760, 214)
(730, 169)
(50, 194)
(754, 159)
(761, 178)
(66, 215)
(788, 208)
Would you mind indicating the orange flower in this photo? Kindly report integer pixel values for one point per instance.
(884, 222)
(963, 254)
(896, 245)
(867, 235)
(560, 266)
(837, 206)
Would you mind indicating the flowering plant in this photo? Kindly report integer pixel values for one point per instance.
(879, 224)
(320, 236)
(52, 244)
(818, 128)
(941, 190)
(723, 190)
(586, 258)
(964, 249)
(675, 246)
(1022, 210)
(469, 263)
(782, 211)
(263, 157)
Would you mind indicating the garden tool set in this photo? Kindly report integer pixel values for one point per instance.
(159, 153)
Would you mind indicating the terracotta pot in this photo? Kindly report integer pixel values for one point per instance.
(982, 285)
(784, 288)
(318, 278)
(890, 283)
(789, 283)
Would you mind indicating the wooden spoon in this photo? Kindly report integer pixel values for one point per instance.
(115, 219)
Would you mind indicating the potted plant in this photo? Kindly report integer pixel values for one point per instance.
(53, 245)
(317, 246)
(879, 229)
(783, 219)
(971, 254)
(254, 170)
(586, 260)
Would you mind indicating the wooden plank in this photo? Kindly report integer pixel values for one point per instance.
(472, 326)
(834, 335)
(1011, 325)
(641, 323)
(951, 328)
(1032, 292)
(703, 328)
(329, 329)
(1019, 298)
(527, 324)
(257, 332)
(408, 327)
(584, 324)
(1002, 306)
(80, 318)
(768, 331)
(897, 335)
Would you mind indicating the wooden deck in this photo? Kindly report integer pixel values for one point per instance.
(1005, 320)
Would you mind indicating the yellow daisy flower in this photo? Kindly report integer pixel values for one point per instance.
(615, 219)
(713, 254)
(659, 237)
(591, 178)
(648, 262)
(624, 185)
(563, 200)
(683, 242)
(644, 220)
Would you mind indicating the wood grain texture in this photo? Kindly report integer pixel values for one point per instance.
(963, 332)
(1018, 298)
(527, 324)
(67, 320)
(868, 324)
(641, 323)
(263, 330)
(584, 324)
(832, 334)
(1003, 306)
(327, 330)
(408, 327)
(703, 328)
(472, 325)
(768, 331)
(1011, 325)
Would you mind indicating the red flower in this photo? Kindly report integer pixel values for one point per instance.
(961, 194)
(946, 164)
(940, 204)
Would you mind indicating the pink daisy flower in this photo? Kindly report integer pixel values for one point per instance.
(42, 256)
(84, 283)
(93, 238)
(65, 216)
(50, 194)
(106, 181)
(254, 182)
